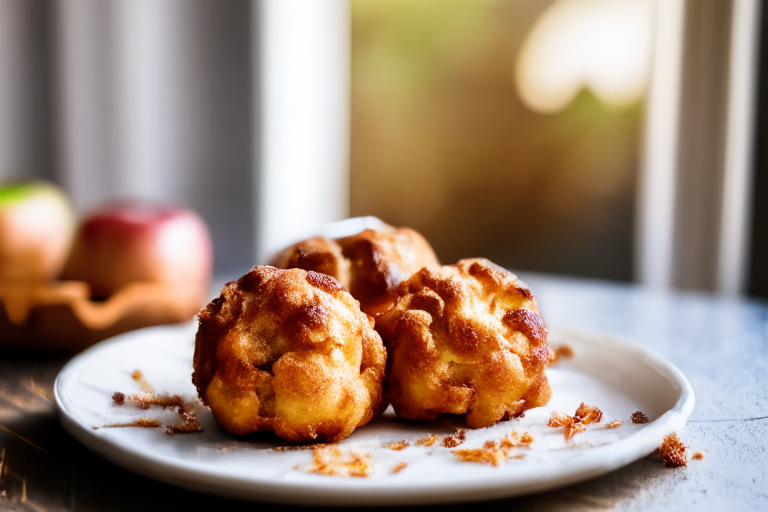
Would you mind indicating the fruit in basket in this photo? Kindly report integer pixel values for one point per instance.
(36, 226)
(128, 241)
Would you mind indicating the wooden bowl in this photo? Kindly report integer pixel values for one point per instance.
(61, 316)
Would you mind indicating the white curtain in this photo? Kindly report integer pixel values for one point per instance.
(164, 100)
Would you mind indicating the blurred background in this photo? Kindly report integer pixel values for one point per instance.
(612, 139)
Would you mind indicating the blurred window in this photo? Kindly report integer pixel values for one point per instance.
(509, 130)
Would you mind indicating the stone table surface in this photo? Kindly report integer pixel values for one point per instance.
(720, 344)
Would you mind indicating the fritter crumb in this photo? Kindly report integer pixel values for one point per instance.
(559, 420)
(587, 414)
(481, 455)
(183, 428)
(514, 439)
(562, 352)
(139, 377)
(398, 445)
(141, 422)
(672, 451)
(145, 400)
(584, 415)
(300, 447)
(427, 441)
(398, 468)
(638, 418)
(455, 439)
(698, 455)
(572, 430)
(330, 461)
(614, 424)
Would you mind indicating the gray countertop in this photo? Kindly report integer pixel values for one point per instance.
(720, 344)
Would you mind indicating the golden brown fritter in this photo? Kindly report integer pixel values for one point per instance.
(289, 351)
(465, 339)
(370, 265)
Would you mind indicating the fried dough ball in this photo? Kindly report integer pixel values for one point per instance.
(465, 339)
(291, 352)
(370, 265)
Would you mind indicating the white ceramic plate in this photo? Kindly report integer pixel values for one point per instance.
(617, 377)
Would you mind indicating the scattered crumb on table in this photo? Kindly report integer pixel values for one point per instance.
(672, 451)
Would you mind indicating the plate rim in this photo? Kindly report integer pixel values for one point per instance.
(369, 492)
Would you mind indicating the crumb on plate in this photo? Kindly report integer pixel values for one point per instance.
(141, 422)
(300, 447)
(483, 455)
(455, 439)
(186, 411)
(587, 414)
(330, 461)
(562, 352)
(398, 468)
(584, 415)
(397, 445)
(427, 441)
(139, 377)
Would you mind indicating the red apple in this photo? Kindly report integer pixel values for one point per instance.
(125, 242)
(36, 226)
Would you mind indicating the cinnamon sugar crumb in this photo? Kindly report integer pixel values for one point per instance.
(139, 377)
(398, 445)
(300, 447)
(331, 462)
(638, 418)
(456, 439)
(559, 420)
(584, 415)
(513, 439)
(427, 441)
(587, 414)
(562, 352)
(698, 455)
(614, 424)
(672, 451)
(481, 455)
(569, 422)
(141, 422)
(507, 443)
(398, 468)
(572, 430)
(186, 411)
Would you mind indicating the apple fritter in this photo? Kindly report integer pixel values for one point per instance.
(289, 351)
(465, 339)
(370, 265)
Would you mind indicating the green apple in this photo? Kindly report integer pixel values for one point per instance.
(36, 228)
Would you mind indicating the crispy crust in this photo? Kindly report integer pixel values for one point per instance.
(465, 339)
(370, 265)
(289, 351)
